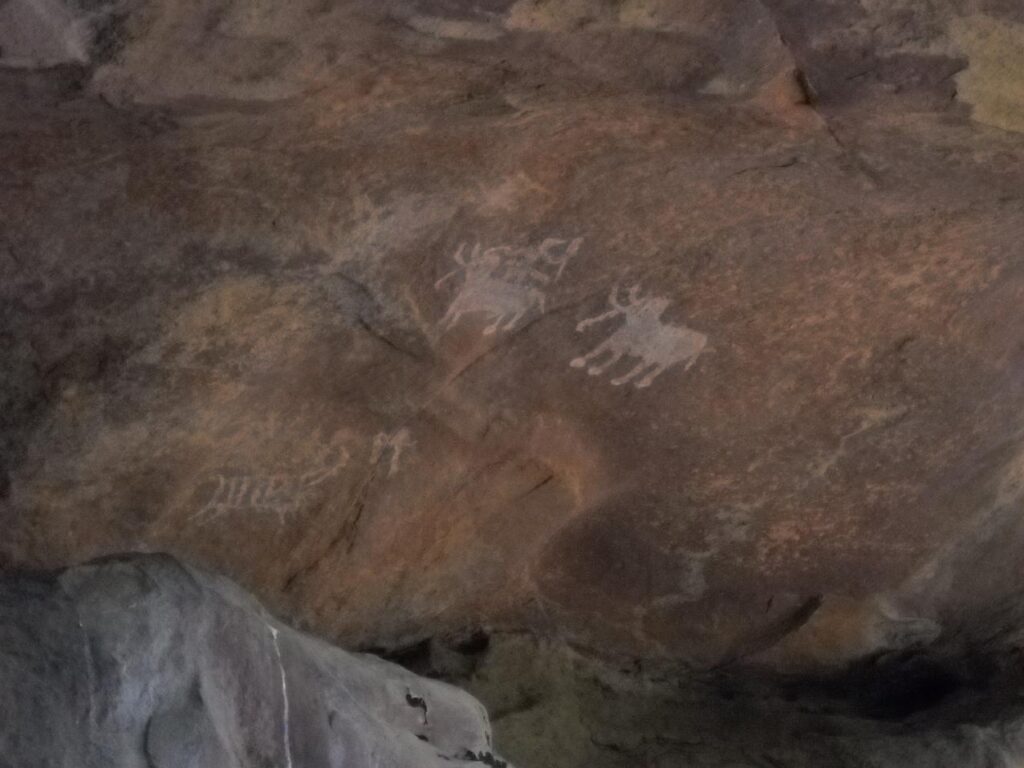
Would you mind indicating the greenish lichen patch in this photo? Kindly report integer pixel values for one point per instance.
(993, 82)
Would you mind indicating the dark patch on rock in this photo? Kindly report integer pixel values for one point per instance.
(110, 36)
(906, 710)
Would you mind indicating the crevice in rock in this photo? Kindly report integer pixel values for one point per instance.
(632, 709)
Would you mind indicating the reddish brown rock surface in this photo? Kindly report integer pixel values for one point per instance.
(327, 297)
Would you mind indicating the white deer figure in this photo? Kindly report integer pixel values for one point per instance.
(643, 335)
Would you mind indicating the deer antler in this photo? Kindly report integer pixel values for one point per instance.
(617, 309)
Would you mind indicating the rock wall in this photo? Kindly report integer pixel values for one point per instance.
(680, 331)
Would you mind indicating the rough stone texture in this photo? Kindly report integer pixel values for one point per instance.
(551, 706)
(309, 293)
(142, 662)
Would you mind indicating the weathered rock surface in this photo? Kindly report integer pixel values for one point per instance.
(553, 706)
(681, 331)
(143, 662)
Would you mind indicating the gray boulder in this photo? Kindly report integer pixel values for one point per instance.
(142, 662)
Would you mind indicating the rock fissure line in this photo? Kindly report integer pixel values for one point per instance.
(286, 718)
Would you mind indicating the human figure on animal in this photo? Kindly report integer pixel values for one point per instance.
(505, 298)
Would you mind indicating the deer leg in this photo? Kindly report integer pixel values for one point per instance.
(597, 370)
(238, 489)
(515, 319)
(211, 509)
(597, 351)
(493, 327)
(650, 377)
(207, 514)
(259, 493)
(223, 493)
(637, 370)
(451, 317)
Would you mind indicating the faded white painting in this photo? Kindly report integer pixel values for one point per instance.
(643, 335)
(392, 445)
(503, 284)
(280, 494)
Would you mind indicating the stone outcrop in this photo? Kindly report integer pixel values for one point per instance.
(143, 662)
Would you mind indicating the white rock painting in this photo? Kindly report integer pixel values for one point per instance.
(285, 493)
(730, 527)
(643, 335)
(504, 284)
(394, 443)
(280, 494)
